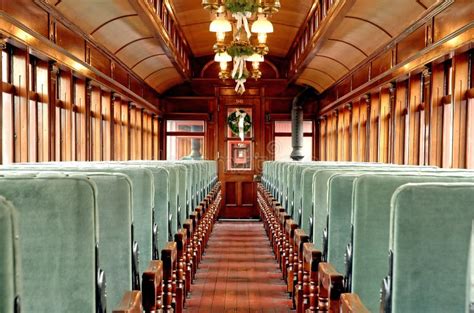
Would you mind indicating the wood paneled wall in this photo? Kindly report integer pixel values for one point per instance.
(48, 112)
(424, 118)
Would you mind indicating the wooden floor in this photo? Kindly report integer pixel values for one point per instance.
(238, 273)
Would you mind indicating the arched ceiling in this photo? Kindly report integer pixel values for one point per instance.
(116, 26)
(365, 28)
(194, 21)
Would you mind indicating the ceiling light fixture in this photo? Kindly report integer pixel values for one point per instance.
(244, 47)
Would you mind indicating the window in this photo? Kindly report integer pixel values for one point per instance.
(283, 146)
(185, 140)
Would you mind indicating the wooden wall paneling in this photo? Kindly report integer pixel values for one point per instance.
(355, 131)
(339, 135)
(470, 133)
(425, 116)
(31, 15)
(32, 119)
(140, 133)
(460, 87)
(447, 115)
(96, 123)
(132, 131)
(323, 139)
(42, 89)
(65, 142)
(347, 134)
(125, 133)
(80, 101)
(117, 122)
(384, 128)
(20, 111)
(364, 110)
(107, 126)
(98, 60)
(70, 41)
(374, 127)
(156, 138)
(415, 115)
(400, 119)
(3, 69)
(436, 119)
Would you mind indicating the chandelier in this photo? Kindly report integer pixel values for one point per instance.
(248, 39)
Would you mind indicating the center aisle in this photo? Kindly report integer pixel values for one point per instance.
(238, 273)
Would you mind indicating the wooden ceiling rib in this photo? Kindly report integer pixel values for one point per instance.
(117, 27)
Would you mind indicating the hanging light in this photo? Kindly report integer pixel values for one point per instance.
(220, 25)
(262, 25)
(255, 58)
(222, 57)
(220, 36)
(262, 37)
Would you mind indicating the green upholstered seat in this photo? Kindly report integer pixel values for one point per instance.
(431, 227)
(57, 223)
(114, 204)
(371, 221)
(9, 256)
(339, 222)
(142, 196)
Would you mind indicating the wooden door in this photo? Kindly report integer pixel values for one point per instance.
(239, 159)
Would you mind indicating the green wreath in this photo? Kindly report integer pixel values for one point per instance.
(236, 6)
(233, 122)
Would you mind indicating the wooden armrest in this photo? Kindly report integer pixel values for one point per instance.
(283, 217)
(350, 303)
(290, 227)
(180, 238)
(188, 225)
(300, 239)
(152, 286)
(330, 287)
(311, 257)
(131, 303)
(169, 256)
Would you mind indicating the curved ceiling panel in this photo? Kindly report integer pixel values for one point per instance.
(168, 84)
(137, 52)
(152, 64)
(315, 85)
(354, 32)
(329, 65)
(90, 14)
(393, 16)
(118, 34)
(366, 27)
(161, 76)
(317, 77)
(345, 54)
(117, 27)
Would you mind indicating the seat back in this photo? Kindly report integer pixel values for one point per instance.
(431, 227)
(370, 220)
(9, 257)
(58, 241)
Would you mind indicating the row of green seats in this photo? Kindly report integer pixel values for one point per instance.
(147, 186)
(350, 207)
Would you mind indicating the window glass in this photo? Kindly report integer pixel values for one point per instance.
(184, 148)
(283, 148)
(185, 126)
(285, 127)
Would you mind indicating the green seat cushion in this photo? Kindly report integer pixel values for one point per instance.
(57, 223)
(431, 227)
(371, 221)
(9, 260)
